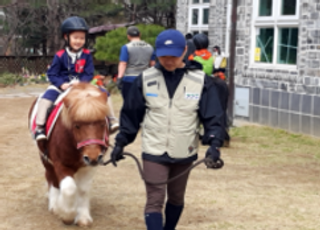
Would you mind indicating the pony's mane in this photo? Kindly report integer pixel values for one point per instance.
(84, 103)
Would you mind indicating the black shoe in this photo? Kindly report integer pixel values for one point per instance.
(40, 135)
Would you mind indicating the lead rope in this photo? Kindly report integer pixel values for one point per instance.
(208, 161)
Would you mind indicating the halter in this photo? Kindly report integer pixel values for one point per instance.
(104, 142)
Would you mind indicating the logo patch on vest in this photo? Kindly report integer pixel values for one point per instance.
(192, 96)
(152, 83)
(151, 95)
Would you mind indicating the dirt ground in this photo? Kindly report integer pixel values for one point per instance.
(258, 189)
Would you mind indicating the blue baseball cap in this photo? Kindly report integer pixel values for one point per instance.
(170, 43)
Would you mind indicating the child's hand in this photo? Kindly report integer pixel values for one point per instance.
(65, 86)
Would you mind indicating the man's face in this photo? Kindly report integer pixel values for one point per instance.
(171, 63)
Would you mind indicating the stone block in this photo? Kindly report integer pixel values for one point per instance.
(316, 106)
(295, 102)
(284, 120)
(264, 116)
(306, 104)
(305, 126)
(284, 100)
(294, 122)
(274, 118)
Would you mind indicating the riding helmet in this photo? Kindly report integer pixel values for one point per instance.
(74, 24)
(201, 41)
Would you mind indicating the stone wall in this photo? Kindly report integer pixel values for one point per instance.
(283, 98)
(182, 16)
(218, 23)
(288, 99)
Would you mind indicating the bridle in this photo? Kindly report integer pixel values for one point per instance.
(104, 142)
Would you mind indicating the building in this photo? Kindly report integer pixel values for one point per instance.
(277, 57)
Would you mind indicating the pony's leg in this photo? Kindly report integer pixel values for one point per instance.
(53, 193)
(67, 200)
(83, 179)
(53, 199)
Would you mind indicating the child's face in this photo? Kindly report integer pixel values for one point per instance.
(77, 40)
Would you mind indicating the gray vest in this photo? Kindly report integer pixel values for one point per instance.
(171, 125)
(140, 54)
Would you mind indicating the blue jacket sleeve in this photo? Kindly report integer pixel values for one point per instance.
(132, 114)
(211, 115)
(54, 72)
(88, 71)
(124, 55)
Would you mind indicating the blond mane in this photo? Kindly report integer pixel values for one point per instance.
(84, 103)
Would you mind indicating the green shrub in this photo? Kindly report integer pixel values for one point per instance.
(10, 79)
(108, 47)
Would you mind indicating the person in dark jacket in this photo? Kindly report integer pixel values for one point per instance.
(190, 46)
(169, 101)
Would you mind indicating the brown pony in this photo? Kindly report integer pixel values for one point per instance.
(76, 144)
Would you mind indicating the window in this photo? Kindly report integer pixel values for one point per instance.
(199, 14)
(275, 38)
(195, 16)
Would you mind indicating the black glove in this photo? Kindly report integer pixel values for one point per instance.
(119, 83)
(116, 154)
(213, 158)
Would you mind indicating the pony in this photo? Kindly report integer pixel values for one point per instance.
(76, 145)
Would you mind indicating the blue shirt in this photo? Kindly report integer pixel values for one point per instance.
(124, 56)
(61, 68)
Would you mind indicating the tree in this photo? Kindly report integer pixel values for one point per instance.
(33, 26)
(160, 12)
(108, 47)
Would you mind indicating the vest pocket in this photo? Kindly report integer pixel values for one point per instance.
(185, 144)
(153, 141)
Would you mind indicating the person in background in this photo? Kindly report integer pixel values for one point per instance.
(219, 61)
(135, 57)
(190, 45)
(99, 80)
(202, 54)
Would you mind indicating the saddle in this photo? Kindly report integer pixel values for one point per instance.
(52, 115)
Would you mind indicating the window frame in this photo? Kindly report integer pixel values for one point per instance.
(200, 26)
(275, 21)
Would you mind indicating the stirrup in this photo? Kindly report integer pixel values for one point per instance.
(40, 135)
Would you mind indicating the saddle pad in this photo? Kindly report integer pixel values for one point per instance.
(58, 104)
(53, 116)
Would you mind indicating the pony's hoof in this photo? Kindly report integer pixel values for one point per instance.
(68, 222)
(84, 222)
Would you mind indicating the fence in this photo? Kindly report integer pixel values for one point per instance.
(34, 64)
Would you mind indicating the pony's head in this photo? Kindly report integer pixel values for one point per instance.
(84, 114)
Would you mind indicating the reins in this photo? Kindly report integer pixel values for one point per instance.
(208, 161)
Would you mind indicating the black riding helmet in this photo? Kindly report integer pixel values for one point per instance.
(72, 24)
(201, 41)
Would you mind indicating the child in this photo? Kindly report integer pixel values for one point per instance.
(98, 80)
(69, 66)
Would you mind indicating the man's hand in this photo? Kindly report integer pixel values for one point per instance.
(116, 155)
(214, 162)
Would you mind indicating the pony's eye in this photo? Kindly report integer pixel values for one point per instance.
(77, 126)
